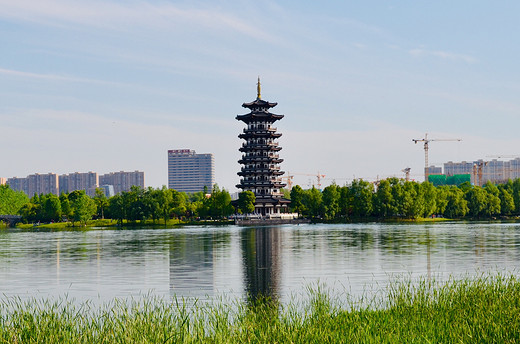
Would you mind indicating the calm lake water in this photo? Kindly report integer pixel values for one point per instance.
(207, 262)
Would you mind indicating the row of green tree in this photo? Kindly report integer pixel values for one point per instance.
(407, 199)
(387, 199)
(135, 205)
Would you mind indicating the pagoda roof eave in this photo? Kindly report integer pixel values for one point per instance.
(273, 200)
(259, 102)
(264, 116)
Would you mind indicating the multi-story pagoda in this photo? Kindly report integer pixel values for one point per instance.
(261, 172)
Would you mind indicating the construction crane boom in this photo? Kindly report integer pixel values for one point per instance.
(426, 140)
(503, 156)
(290, 176)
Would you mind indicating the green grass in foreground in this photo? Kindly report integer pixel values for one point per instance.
(481, 310)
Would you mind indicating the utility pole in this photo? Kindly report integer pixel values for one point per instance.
(426, 140)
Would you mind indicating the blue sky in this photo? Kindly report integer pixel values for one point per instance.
(112, 85)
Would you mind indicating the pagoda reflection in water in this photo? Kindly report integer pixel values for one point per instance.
(261, 260)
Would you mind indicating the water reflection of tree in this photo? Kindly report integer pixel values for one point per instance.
(192, 262)
(261, 258)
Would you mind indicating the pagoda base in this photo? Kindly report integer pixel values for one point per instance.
(279, 219)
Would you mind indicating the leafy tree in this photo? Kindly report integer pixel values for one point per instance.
(82, 207)
(136, 207)
(493, 199)
(165, 200)
(101, 201)
(11, 201)
(312, 201)
(50, 208)
(516, 195)
(398, 196)
(441, 199)
(507, 202)
(30, 212)
(246, 202)
(66, 209)
(180, 201)
(345, 201)
(331, 196)
(117, 208)
(429, 194)
(477, 201)
(220, 203)
(361, 193)
(151, 203)
(297, 196)
(383, 200)
(196, 197)
(412, 200)
(457, 205)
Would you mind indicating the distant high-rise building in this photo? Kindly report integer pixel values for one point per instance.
(122, 181)
(434, 170)
(35, 184)
(3, 181)
(88, 181)
(495, 171)
(190, 172)
(17, 184)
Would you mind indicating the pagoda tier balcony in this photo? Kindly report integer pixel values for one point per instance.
(261, 183)
(269, 196)
(262, 134)
(252, 144)
(259, 159)
(250, 147)
(252, 187)
(261, 166)
(260, 128)
(257, 171)
(269, 155)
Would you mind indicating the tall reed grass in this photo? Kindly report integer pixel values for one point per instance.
(485, 309)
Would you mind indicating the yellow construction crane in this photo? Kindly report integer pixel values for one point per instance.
(289, 179)
(426, 140)
(407, 173)
(504, 156)
(290, 176)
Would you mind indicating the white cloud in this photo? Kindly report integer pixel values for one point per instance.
(445, 55)
(54, 77)
(125, 15)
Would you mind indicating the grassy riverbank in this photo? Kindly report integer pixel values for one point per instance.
(485, 309)
(108, 223)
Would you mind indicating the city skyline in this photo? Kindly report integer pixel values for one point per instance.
(109, 85)
(51, 183)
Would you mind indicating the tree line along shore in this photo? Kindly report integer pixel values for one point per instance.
(390, 198)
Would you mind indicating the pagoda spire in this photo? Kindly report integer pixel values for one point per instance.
(258, 93)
